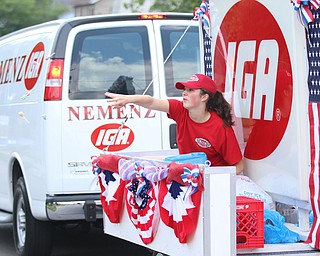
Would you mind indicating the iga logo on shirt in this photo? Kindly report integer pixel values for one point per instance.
(203, 143)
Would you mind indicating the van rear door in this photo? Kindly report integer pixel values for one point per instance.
(119, 57)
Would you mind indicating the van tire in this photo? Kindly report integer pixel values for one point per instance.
(31, 236)
(158, 254)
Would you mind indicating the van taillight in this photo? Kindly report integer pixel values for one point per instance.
(53, 89)
(152, 16)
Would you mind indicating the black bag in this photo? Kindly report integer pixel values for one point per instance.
(123, 85)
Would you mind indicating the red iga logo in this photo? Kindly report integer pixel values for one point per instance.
(252, 66)
(111, 137)
(17, 68)
(34, 65)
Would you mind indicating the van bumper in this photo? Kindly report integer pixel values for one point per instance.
(74, 207)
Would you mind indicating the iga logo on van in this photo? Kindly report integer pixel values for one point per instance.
(252, 66)
(111, 136)
(17, 68)
(33, 66)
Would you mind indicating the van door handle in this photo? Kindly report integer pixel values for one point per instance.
(173, 135)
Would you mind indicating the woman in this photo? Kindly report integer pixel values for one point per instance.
(203, 119)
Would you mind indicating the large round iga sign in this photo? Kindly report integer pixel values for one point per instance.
(251, 63)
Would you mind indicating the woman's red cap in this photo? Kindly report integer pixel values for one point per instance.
(198, 81)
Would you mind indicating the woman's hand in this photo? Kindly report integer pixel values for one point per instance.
(239, 167)
(117, 100)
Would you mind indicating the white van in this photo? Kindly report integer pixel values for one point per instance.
(54, 116)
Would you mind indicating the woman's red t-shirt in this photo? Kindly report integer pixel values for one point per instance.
(211, 137)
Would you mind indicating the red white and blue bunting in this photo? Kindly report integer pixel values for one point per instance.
(202, 14)
(303, 10)
(151, 193)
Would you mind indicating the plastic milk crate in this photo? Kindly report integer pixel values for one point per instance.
(250, 223)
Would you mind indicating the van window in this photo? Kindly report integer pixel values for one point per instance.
(185, 59)
(118, 60)
(112, 59)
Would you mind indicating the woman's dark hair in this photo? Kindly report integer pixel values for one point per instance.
(219, 104)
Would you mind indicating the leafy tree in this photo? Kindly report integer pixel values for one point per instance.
(134, 5)
(165, 5)
(17, 14)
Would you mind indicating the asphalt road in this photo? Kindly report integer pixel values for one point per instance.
(71, 242)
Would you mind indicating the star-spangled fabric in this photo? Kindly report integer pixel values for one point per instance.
(141, 192)
(207, 56)
(202, 13)
(144, 215)
(112, 187)
(313, 48)
(112, 191)
(314, 176)
(180, 198)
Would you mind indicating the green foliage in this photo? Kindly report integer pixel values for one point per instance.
(134, 5)
(165, 5)
(17, 14)
(175, 5)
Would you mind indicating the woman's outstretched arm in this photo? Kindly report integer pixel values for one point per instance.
(120, 100)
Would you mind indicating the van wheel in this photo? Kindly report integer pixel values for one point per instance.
(158, 254)
(31, 236)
